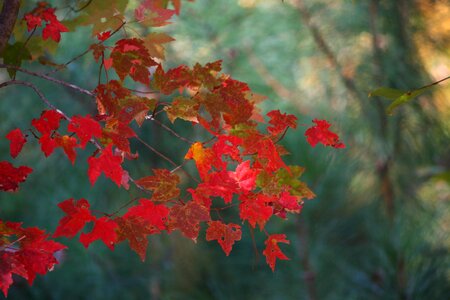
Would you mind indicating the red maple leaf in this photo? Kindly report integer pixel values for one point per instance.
(103, 36)
(85, 128)
(320, 134)
(187, 218)
(32, 21)
(48, 121)
(108, 164)
(53, 30)
(154, 216)
(17, 140)
(273, 251)
(118, 134)
(104, 229)
(255, 208)
(219, 184)
(228, 146)
(25, 252)
(164, 185)
(204, 159)
(50, 142)
(78, 214)
(280, 122)
(268, 157)
(135, 230)
(131, 58)
(68, 143)
(10, 177)
(225, 234)
(245, 176)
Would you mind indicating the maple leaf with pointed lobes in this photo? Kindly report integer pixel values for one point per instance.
(287, 203)
(273, 251)
(85, 128)
(10, 177)
(280, 122)
(48, 121)
(204, 159)
(118, 134)
(104, 229)
(219, 184)
(227, 145)
(163, 184)
(233, 93)
(103, 36)
(53, 30)
(225, 234)
(108, 164)
(245, 176)
(49, 143)
(268, 157)
(78, 214)
(31, 253)
(154, 43)
(17, 140)
(68, 143)
(135, 230)
(153, 215)
(182, 108)
(187, 218)
(32, 21)
(130, 57)
(255, 209)
(321, 134)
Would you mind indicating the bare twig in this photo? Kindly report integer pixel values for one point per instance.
(36, 90)
(177, 166)
(165, 127)
(46, 77)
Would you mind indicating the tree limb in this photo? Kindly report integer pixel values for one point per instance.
(8, 17)
(46, 77)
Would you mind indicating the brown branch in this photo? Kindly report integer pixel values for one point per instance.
(169, 130)
(46, 77)
(36, 90)
(8, 17)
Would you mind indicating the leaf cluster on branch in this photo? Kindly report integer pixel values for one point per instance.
(239, 168)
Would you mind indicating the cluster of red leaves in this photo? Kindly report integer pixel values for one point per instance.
(25, 252)
(239, 167)
(53, 27)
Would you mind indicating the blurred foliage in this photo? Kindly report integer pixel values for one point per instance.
(379, 227)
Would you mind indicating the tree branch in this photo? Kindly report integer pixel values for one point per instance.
(36, 90)
(46, 77)
(8, 17)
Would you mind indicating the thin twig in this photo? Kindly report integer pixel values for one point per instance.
(46, 77)
(165, 158)
(165, 127)
(37, 91)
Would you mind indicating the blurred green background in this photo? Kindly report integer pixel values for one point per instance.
(379, 226)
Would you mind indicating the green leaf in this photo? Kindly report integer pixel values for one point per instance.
(405, 98)
(399, 97)
(14, 55)
(387, 93)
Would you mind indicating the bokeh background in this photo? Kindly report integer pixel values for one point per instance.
(379, 226)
